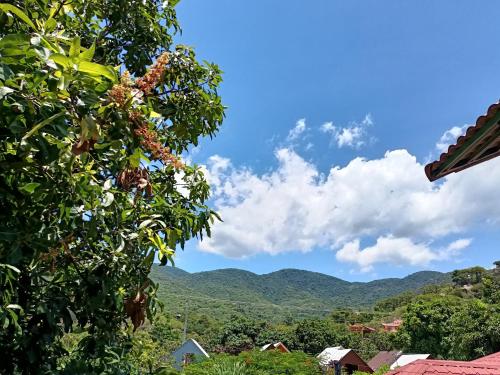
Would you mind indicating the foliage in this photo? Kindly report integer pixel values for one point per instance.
(146, 355)
(392, 303)
(475, 330)
(313, 335)
(450, 327)
(380, 371)
(237, 335)
(425, 325)
(257, 363)
(468, 276)
(92, 185)
(283, 295)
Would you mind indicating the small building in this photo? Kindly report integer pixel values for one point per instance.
(489, 365)
(405, 359)
(187, 353)
(393, 326)
(384, 358)
(341, 359)
(279, 346)
(361, 328)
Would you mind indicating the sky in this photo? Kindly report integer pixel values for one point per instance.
(334, 108)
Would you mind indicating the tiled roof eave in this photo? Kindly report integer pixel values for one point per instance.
(437, 169)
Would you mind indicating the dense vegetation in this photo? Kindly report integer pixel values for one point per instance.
(97, 106)
(450, 320)
(276, 296)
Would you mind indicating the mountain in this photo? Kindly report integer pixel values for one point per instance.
(288, 292)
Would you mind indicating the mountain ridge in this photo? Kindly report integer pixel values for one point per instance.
(290, 291)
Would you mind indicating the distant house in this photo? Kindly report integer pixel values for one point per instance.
(341, 359)
(276, 346)
(361, 328)
(489, 365)
(187, 353)
(384, 358)
(405, 359)
(393, 326)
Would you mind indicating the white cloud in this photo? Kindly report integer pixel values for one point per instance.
(296, 208)
(396, 251)
(450, 137)
(354, 135)
(295, 132)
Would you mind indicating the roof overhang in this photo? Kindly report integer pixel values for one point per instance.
(480, 143)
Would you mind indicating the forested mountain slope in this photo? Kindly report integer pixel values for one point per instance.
(288, 292)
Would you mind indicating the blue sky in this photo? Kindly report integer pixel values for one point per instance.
(367, 88)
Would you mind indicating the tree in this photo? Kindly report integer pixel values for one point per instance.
(92, 184)
(314, 335)
(237, 334)
(474, 331)
(468, 276)
(491, 289)
(426, 325)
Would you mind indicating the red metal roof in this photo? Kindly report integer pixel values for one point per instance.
(489, 365)
(467, 154)
(492, 359)
(440, 367)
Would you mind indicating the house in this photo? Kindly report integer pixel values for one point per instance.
(394, 359)
(489, 365)
(276, 346)
(187, 353)
(393, 326)
(342, 359)
(480, 143)
(361, 328)
(384, 358)
(405, 359)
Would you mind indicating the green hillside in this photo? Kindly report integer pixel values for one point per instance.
(277, 295)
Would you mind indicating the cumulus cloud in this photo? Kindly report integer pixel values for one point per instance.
(396, 251)
(449, 137)
(297, 130)
(294, 207)
(354, 136)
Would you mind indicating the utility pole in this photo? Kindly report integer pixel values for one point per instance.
(185, 322)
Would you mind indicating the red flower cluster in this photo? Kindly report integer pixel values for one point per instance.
(149, 140)
(147, 83)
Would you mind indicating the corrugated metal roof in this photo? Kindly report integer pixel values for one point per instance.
(408, 358)
(332, 354)
(481, 142)
(384, 358)
(432, 367)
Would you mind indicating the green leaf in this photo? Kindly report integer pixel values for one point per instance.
(74, 49)
(30, 187)
(88, 54)
(98, 69)
(50, 24)
(62, 60)
(8, 8)
(41, 125)
(135, 158)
